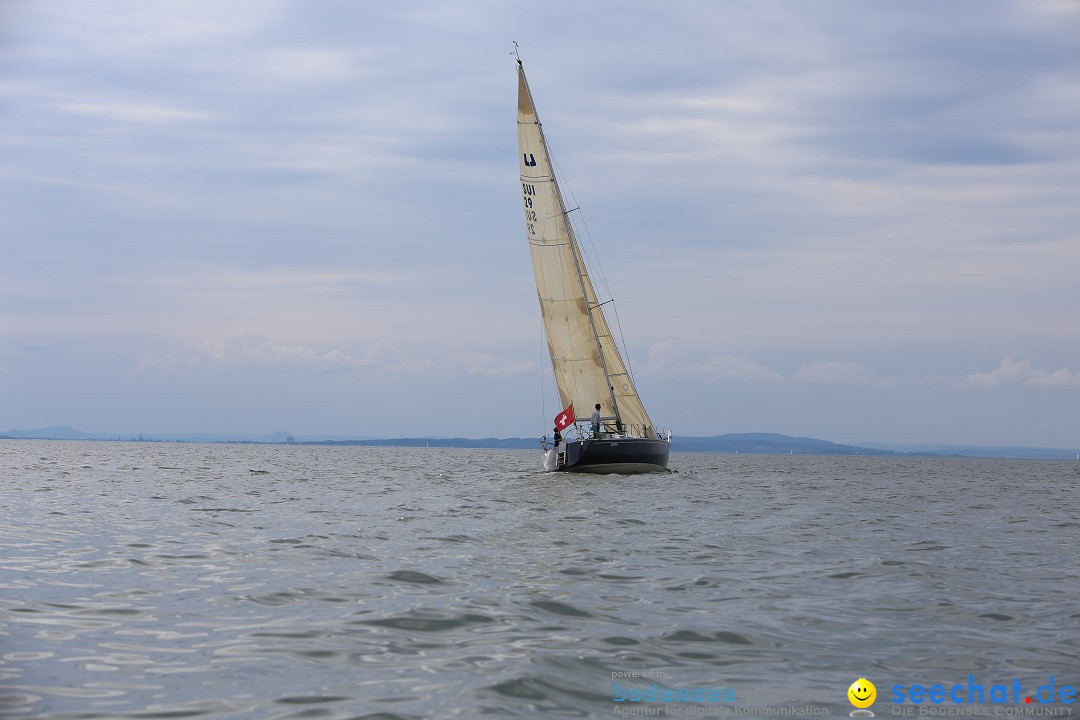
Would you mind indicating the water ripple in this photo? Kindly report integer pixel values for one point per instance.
(246, 582)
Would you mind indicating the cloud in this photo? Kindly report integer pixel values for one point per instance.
(135, 112)
(494, 365)
(256, 352)
(320, 192)
(278, 279)
(670, 358)
(1012, 373)
(835, 372)
(247, 352)
(306, 66)
(736, 367)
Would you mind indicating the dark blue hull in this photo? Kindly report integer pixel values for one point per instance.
(614, 455)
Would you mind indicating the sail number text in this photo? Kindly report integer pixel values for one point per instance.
(529, 191)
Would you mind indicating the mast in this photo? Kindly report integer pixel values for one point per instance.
(575, 250)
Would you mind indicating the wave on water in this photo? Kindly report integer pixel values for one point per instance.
(161, 580)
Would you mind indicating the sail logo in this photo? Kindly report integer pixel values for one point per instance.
(530, 159)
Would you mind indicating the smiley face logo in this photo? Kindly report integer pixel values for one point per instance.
(862, 693)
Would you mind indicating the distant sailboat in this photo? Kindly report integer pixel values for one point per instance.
(587, 365)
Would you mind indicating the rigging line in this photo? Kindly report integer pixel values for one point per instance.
(626, 352)
(557, 175)
(590, 257)
(614, 308)
(594, 260)
(595, 257)
(582, 270)
(579, 264)
(540, 365)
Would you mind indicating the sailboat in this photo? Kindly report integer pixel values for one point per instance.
(589, 370)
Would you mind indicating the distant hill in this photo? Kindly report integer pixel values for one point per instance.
(492, 443)
(1015, 452)
(754, 443)
(749, 443)
(771, 444)
(55, 432)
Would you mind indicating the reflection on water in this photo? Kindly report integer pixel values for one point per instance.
(225, 581)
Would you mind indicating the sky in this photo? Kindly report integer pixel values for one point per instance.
(856, 221)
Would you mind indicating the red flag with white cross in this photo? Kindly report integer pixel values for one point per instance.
(565, 418)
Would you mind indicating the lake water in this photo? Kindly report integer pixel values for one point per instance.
(153, 580)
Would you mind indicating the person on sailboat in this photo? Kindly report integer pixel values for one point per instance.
(558, 437)
(596, 421)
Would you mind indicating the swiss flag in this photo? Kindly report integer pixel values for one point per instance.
(565, 418)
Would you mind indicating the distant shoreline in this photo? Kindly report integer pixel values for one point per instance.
(731, 443)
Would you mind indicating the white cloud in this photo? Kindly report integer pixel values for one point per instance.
(494, 365)
(670, 358)
(1010, 372)
(256, 352)
(294, 182)
(278, 279)
(142, 112)
(835, 372)
(307, 66)
(737, 367)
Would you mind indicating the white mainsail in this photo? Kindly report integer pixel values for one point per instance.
(586, 361)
